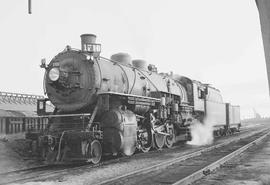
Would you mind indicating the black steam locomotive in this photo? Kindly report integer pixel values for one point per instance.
(118, 105)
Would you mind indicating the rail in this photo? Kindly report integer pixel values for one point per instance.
(164, 165)
(44, 173)
(206, 170)
(64, 115)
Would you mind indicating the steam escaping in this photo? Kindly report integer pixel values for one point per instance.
(201, 133)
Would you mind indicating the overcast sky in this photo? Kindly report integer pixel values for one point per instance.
(213, 41)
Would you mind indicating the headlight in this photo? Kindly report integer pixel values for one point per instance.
(54, 74)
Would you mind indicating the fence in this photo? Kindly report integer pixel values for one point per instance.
(12, 125)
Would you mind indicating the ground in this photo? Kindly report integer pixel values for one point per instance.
(251, 168)
(15, 153)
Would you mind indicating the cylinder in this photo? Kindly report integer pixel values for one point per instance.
(175, 107)
(163, 101)
(87, 39)
(168, 100)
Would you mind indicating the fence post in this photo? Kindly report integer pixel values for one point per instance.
(23, 124)
(1, 129)
(9, 126)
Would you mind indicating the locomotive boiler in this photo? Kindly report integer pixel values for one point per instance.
(119, 105)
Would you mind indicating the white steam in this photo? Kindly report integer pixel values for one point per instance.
(201, 133)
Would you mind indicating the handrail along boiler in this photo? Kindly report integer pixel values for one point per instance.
(117, 105)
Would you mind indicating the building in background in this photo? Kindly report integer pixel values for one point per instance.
(18, 113)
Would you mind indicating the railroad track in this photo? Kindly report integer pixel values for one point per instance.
(28, 173)
(40, 172)
(189, 168)
(45, 172)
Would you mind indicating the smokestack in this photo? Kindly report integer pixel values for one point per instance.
(87, 39)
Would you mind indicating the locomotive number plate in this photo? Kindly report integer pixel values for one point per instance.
(92, 47)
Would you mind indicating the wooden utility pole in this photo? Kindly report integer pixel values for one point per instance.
(264, 14)
(29, 7)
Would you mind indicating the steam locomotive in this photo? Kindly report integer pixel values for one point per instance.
(119, 105)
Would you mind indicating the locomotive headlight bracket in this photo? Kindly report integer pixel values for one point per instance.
(54, 74)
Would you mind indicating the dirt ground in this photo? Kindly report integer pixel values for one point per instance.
(15, 153)
(251, 168)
